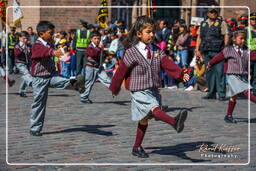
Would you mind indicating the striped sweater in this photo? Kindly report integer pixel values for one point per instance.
(140, 74)
(233, 62)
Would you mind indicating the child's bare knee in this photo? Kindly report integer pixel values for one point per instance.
(144, 121)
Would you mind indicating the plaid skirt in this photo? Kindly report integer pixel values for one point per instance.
(236, 84)
(143, 101)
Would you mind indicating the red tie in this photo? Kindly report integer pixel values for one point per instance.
(239, 51)
(149, 53)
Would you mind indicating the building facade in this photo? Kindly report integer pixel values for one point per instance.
(65, 14)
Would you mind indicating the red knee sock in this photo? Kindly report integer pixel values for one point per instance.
(252, 96)
(141, 130)
(231, 106)
(162, 116)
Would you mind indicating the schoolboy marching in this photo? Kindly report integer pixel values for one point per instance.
(22, 53)
(94, 55)
(236, 58)
(43, 72)
(141, 68)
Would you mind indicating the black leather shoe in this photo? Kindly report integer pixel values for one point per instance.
(230, 119)
(86, 101)
(22, 94)
(180, 119)
(35, 133)
(139, 152)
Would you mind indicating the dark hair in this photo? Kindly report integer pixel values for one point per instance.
(236, 33)
(63, 33)
(43, 26)
(29, 28)
(239, 31)
(185, 29)
(175, 33)
(24, 33)
(94, 33)
(165, 22)
(141, 23)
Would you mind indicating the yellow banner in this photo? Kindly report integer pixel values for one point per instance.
(103, 14)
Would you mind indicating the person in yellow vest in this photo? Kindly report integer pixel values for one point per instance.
(12, 40)
(252, 46)
(81, 42)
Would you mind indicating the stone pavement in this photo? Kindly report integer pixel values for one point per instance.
(80, 135)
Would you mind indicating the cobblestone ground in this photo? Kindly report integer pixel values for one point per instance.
(103, 133)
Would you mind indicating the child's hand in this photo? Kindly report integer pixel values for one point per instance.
(57, 53)
(208, 67)
(197, 53)
(185, 77)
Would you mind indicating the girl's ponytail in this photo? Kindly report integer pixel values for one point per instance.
(132, 38)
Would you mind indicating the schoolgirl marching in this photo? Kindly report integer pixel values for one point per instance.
(236, 58)
(141, 69)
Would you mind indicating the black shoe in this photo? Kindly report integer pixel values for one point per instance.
(22, 94)
(209, 97)
(35, 133)
(179, 120)
(86, 101)
(139, 152)
(230, 119)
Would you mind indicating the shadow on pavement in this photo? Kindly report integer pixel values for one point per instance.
(252, 120)
(171, 109)
(123, 103)
(92, 129)
(181, 149)
(61, 95)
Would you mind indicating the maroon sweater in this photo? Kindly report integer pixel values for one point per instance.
(137, 74)
(233, 62)
(22, 55)
(42, 60)
(93, 55)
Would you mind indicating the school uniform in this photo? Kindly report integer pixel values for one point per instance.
(235, 67)
(23, 62)
(143, 77)
(93, 71)
(43, 70)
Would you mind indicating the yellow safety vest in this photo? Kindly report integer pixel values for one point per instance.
(11, 42)
(252, 45)
(82, 42)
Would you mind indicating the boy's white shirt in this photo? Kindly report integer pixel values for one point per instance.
(43, 41)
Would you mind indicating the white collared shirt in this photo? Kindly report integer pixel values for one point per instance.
(142, 49)
(93, 44)
(237, 47)
(43, 41)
